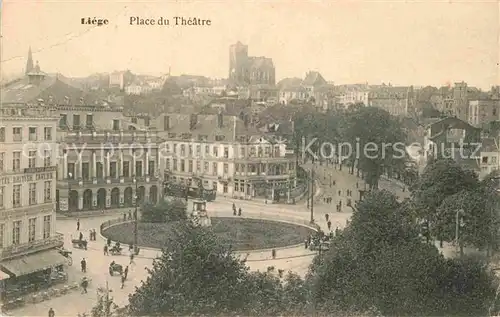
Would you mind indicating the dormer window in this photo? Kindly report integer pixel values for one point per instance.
(219, 138)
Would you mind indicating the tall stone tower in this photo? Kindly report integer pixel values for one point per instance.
(238, 60)
(29, 63)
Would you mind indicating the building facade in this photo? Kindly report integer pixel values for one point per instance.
(107, 170)
(483, 111)
(398, 101)
(227, 154)
(28, 160)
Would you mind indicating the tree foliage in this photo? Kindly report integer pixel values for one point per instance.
(381, 263)
(165, 211)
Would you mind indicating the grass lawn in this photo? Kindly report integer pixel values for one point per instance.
(241, 233)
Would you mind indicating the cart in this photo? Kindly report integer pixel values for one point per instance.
(66, 254)
(115, 267)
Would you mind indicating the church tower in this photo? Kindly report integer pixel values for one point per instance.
(29, 63)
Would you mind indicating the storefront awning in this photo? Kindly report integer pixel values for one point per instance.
(33, 262)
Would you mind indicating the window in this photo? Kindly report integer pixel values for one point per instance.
(113, 170)
(63, 121)
(16, 195)
(138, 168)
(47, 160)
(116, 125)
(17, 134)
(167, 164)
(198, 150)
(47, 134)
(226, 152)
(89, 121)
(493, 160)
(134, 120)
(183, 149)
(214, 186)
(183, 166)
(32, 194)
(47, 191)
(126, 169)
(219, 138)
(2, 164)
(31, 229)
(31, 159)
(207, 150)
(206, 167)
(85, 171)
(2, 230)
(71, 171)
(2, 134)
(16, 232)
(226, 168)
(46, 226)
(16, 161)
(190, 150)
(99, 170)
(215, 151)
(174, 166)
(151, 168)
(2, 199)
(190, 166)
(214, 168)
(198, 166)
(224, 188)
(174, 148)
(485, 159)
(242, 152)
(32, 134)
(76, 122)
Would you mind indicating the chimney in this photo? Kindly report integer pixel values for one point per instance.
(166, 123)
(220, 120)
(193, 120)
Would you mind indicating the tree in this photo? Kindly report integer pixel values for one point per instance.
(441, 178)
(165, 211)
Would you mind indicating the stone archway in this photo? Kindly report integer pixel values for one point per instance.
(141, 193)
(87, 199)
(127, 197)
(101, 198)
(115, 197)
(73, 201)
(153, 194)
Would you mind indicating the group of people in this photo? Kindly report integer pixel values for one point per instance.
(234, 210)
(92, 232)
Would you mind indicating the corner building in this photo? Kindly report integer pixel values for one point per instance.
(28, 161)
(227, 154)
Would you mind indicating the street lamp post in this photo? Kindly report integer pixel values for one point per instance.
(70, 175)
(457, 227)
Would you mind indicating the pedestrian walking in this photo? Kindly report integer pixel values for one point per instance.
(81, 236)
(90, 235)
(327, 216)
(329, 224)
(131, 258)
(51, 313)
(273, 254)
(83, 264)
(125, 272)
(85, 284)
(123, 281)
(106, 249)
(340, 193)
(108, 242)
(78, 225)
(124, 216)
(239, 211)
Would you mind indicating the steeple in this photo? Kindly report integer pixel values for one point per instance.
(29, 63)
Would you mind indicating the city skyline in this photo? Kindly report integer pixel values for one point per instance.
(347, 42)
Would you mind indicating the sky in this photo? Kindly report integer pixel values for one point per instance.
(425, 42)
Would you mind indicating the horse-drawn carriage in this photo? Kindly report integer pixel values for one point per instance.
(116, 250)
(66, 254)
(115, 267)
(81, 244)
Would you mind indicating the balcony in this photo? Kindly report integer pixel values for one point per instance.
(30, 247)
